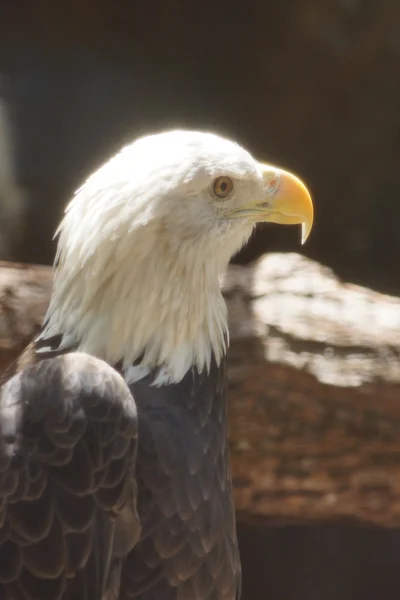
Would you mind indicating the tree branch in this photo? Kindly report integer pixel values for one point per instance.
(314, 387)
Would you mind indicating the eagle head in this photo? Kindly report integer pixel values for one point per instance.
(143, 244)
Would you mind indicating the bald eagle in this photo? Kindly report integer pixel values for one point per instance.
(114, 463)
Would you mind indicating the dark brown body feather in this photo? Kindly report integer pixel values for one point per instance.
(187, 548)
(68, 436)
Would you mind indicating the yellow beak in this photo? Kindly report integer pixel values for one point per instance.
(289, 199)
(286, 201)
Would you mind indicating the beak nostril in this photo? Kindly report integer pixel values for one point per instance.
(272, 185)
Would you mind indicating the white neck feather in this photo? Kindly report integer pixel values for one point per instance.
(156, 303)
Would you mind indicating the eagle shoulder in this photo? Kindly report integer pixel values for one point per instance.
(68, 443)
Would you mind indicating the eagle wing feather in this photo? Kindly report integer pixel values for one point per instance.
(68, 443)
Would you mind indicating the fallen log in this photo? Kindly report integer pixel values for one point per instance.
(314, 387)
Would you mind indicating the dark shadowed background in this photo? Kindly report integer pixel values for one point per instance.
(313, 85)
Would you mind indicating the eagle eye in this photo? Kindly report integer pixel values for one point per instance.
(222, 186)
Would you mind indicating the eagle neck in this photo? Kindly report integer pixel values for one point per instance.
(159, 310)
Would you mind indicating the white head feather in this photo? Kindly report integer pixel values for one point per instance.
(141, 250)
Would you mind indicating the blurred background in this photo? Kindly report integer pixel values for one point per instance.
(312, 85)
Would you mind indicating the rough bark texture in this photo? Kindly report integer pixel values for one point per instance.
(314, 387)
(314, 394)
